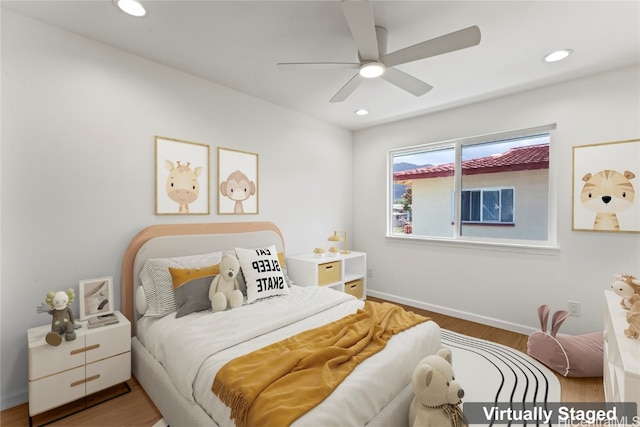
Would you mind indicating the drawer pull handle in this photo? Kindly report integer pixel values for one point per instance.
(329, 267)
(85, 380)
(93, 377)
(83, 349)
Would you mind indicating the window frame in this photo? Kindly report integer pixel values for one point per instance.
(535, 246)
(483, 190)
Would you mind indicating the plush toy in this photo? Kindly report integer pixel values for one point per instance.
(224, 290)
(628, 287)
(58, 305)
(569, 355)
(437, 395)
(633, 318)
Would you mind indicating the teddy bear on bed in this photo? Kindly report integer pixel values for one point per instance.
(224, 291)
(437, 395)
(62, 324)
(628, 287)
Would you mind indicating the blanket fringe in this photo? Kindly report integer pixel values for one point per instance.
(234, 400)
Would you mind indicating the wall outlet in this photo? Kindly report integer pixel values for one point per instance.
(369, 272)
(574, 308)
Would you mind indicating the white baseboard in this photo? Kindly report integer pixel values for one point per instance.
(490, 321)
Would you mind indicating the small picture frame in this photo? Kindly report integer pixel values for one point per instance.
(182, 177)
(237, 182)
(96, 297)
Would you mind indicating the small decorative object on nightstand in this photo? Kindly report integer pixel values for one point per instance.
(336, 238)
(97, 359)
(346, 273)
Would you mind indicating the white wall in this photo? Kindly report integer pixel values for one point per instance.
(78, 126)
(499, 287)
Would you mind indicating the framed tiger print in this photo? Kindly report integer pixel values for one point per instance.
(606, 187)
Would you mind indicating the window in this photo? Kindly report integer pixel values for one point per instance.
(489, 189)
(494, 206)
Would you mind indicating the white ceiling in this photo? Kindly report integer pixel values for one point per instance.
(238, 44)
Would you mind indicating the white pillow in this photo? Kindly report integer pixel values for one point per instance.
(157, 283)
(141, 301)
(262, 272)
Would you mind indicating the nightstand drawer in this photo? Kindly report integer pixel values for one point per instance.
(328, 273)
(111, 340)
(355, 288)
(45, 359)
(56, 390)
(108, 372)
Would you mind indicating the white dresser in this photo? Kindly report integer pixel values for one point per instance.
(621, 374)
(97, 359)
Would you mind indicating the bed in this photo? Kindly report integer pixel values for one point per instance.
(178, 378)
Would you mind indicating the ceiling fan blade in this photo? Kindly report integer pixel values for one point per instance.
(347, 89)
(317, 65)
(359, 15)
(407, 82)
(448, 43)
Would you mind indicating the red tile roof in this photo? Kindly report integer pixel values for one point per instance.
(516, 159)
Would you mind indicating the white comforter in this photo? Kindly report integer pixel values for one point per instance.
(193, 348)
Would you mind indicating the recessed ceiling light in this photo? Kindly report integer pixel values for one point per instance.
(132, 7)
(361, 112)
(370, 70)
(558, 55)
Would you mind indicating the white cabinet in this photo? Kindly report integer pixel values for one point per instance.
(98, 358)
(344, 273)
(621, 374)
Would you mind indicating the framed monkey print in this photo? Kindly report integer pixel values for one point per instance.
(237, 182)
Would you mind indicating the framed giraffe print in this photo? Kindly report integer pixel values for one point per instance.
(182, 177)
(237, 182)
(606, 181)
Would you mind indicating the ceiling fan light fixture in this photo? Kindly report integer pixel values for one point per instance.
(370, 70)
(361, 112)
(557, 55)
(131, 7)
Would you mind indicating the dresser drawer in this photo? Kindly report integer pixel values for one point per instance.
(355, 288)
(328, 273)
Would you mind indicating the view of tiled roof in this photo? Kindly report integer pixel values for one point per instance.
(516, 159)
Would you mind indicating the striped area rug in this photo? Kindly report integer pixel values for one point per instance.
(490, 372)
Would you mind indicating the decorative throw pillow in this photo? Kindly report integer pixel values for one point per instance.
(158, 285)
(262, 272)
(191, 286)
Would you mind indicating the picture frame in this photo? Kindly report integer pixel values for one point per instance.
(181, 177)
(237, 174)
(96, 297)
(606, 187)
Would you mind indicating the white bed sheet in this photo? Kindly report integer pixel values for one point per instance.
(192, 364)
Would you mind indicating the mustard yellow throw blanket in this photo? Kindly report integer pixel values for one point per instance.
(275, 385)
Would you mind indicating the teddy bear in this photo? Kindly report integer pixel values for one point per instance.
(58, 305)
(437, 396)
(628, 287)
(633, 318)
(224, 290)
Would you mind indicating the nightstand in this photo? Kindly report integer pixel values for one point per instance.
(97, 359)
(344, 273)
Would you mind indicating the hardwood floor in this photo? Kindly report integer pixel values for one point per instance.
(136, 409)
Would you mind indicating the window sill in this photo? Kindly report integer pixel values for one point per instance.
(499, 246)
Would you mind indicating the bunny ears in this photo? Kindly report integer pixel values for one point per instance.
(557, 319)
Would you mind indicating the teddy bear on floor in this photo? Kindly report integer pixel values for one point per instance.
(628, 287)
(437, 395)
(58, 305)
(224, 290)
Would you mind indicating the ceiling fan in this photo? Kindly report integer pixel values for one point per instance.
(371, 42)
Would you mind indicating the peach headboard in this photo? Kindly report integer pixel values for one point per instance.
(171, 240)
